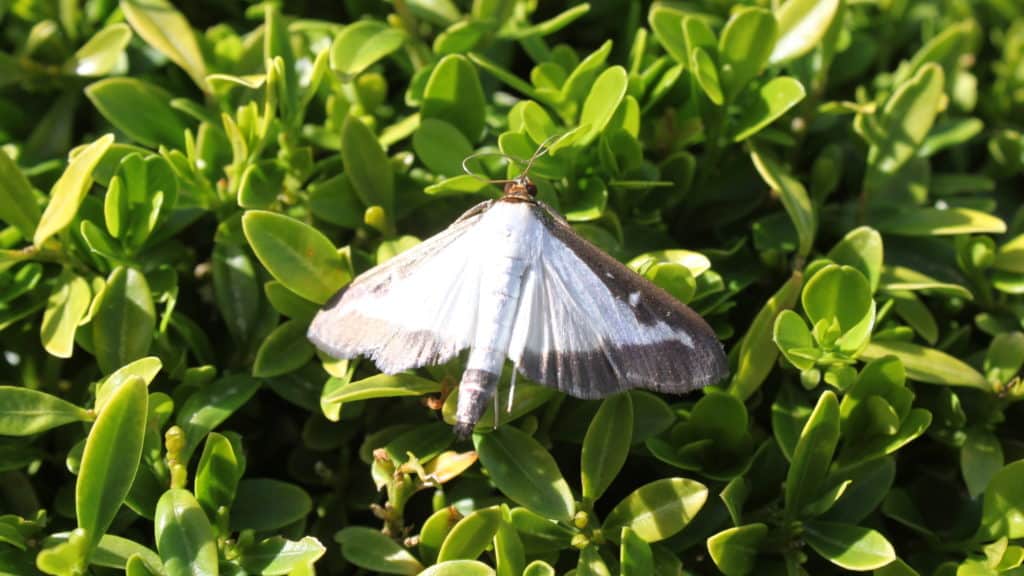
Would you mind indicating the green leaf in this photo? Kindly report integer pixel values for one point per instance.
(928, 364)
(1003, 507)
(862, 249)
(124, 319)
(744, 47)
(276, 556)
(602, 102)
(18, 205)
(289, 303)
(434, 531)
(794, 339)
(205, 409)
(441, 147)
(266, 504)
(69, 191)
(706, 72)
(296, 255)
(383, 386)
(184, 536)
(284, 350)
(849, 547)
(657, 510)
(112, 453)
(335, 200)
(363, 43)
(509, 553)
(236, 289)
(756, 353)
(768, 103)
(144, 368)
(367, 166)
(539, 568)
(166, 30)
(813, 455)
(525, 472)
(102, 54)
(371, 550)
(1010, 257)
(24, 412)
(606, 445)
(837, 292)
(924, 221)
(635, 555)
(981, 458)
(471, 536)
(591, 564)
(667, 24)
(453, 93)
(794, 198)
(735, 550)
(459, 568)
(802, 26)
(69, 300)
(138, 109)
(217, 475)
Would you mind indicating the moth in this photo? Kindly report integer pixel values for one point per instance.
(511, 279)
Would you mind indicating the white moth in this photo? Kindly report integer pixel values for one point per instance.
(510, 279)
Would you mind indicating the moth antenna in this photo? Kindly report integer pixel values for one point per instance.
(466, 169)
(541, 150)
(511, 389)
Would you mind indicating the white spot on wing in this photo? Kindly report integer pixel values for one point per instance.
(634, 299)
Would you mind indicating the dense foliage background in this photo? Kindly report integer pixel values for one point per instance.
(834, 184)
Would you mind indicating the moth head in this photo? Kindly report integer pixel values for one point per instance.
(521, 188)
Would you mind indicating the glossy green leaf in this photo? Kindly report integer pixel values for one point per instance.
(102, 54)
(756, 353)
(802, 26)
(112, 453)
(65, 309)
(706, 72)
(813, 455)
(657, 510)
(217, 475)
(145, 368)
(453, 93)
(928, 365)
(18, 205)
(289, 303)
(862, 249)
(363, 43)
(441, 146)
(70, 189)
(591, 564)
(295, 254)
(284, 350)
(743, 49)
(735, 550)
(525, 472)
(383, 386)
(459, 568)
(124, 319)
(166, 30)
(369, 549)
(794, 197)
(276, 556)
(606, 445)
(794, 339)
(24, 411)
(1003, 505)
(768, 103)
(471, 536)
(205, 409)
(666, 22)
(602, 102)
(184, 536)
(509, 553)
(849, 547)
(268, 504)
(981, 458)
(236, 289)
(367, 165)
(138, 109)
(539, 568)
(923, 221)
(434, 532)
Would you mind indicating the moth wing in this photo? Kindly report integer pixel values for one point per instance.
(589, 326)
(418, 308)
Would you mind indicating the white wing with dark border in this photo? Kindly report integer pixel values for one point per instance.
(589, 326)
(417, 308)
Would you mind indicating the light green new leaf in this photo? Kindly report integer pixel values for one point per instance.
(459, 568)
(24, 411)
(363, 43)
(802, 25)
(217, 475)
(296, 254)
(735, 550)
(1003, 508)
(925, 221)
(102, 53)
(743, 49)
(383, 386)
(525, 472)
(112, 453)
(657, 510)
(69, 300)
(471, 536)
(166, 30)
(70, 189)
(602, 102)
(276, 556)
(145, 368)
(184, 537)
(928, 365)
